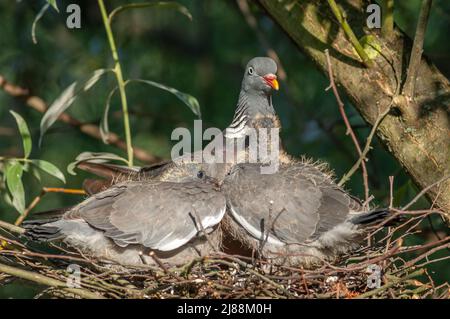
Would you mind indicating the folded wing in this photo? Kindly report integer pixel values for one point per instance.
(158, 215)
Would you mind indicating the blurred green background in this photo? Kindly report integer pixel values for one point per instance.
(204, 58)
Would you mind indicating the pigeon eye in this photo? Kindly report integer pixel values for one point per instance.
(251, 71)
(200, 174)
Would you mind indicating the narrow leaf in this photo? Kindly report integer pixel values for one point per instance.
(53, 4)
(94, 158)
(14, 183)
(36, 19)
(49, 168)
(104, 126)
(187, 99)
(160, 5)
(24, 132)
(66, 99)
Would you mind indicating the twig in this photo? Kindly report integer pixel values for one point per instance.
(391, 192)
(391, 284)
(44, 280)
(350, 34)
(367, 147)
(347, 124)
(11, 227)
(387, 26)
(91, 130)
(423, 191)
(417, 49)
(38, 198)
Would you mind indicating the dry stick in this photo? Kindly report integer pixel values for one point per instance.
(367, 147)
(423, 191)
(347, 124)
(11, 227)
(38, 198)
(417, 49)
(413, 262)
(391, 284)
(44, 280)
(91, 130)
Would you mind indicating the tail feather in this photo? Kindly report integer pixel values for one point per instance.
(40, 230)
(374, 216)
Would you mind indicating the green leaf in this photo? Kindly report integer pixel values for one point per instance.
(93, 158)
(36, 19)
(24, 132)
(66, 99)
(49, 168)
(187, 99)
(14, 183)
(53, 4)
(160, 5)
(104, 126)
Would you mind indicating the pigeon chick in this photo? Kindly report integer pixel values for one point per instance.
(131, 219)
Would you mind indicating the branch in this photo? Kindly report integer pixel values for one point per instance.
(120, 82)
(367, 147)
(391, 284)
(417, 49)
(350, 34)
(91, 130)
(387, 28)
(347, 124)
(11, 228)
(41, 279)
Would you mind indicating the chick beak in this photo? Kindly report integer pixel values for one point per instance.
(271, 80)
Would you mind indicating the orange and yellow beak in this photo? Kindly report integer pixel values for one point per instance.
(271, 80)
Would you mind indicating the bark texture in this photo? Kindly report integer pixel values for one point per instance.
(417, 130)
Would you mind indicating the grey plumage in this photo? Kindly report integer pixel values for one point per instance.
(298, 212)
(297, 215)
(123, 221)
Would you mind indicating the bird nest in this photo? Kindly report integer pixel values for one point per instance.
(385, 267)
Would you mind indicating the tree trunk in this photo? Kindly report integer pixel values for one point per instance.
(417, 130)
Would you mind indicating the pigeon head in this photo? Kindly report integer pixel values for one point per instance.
(260, 76)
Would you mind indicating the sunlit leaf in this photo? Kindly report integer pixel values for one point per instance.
(94, 158)
(13, 174)
(187, 99)
(160, 5)
(66, 99)
(24, 132)
(36, 19)
(53, 4)
(49, 168)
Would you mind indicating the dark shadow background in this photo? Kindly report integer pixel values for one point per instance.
(204, 58)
